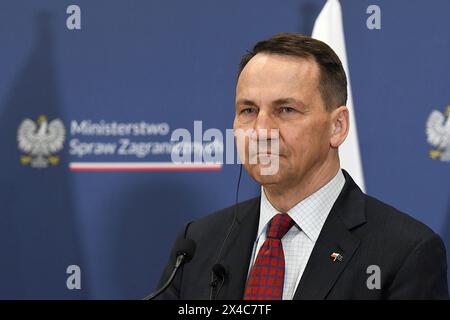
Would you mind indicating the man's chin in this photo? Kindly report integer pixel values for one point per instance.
(263, 174)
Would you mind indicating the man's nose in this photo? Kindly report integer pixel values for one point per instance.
(264, 126)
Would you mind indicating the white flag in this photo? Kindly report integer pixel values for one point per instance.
(329, 29)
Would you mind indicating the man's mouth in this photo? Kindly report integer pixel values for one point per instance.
(266, 154)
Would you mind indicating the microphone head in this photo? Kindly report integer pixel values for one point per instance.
(187, 248)
(219, 270)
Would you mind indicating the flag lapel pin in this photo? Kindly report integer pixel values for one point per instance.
(336, 256)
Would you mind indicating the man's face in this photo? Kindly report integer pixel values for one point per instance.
(281, 92)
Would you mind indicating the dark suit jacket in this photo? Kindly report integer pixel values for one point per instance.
(365, 231)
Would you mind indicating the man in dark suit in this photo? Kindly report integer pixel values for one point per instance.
(312, 234)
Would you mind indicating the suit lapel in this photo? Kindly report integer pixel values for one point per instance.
(238, 251)
(321, 271)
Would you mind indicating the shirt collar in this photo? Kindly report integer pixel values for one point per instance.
(309, 214)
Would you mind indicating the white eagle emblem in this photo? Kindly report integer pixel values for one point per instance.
(438, 134)
(40, 141)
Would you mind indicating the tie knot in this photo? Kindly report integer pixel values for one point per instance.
(279, 226)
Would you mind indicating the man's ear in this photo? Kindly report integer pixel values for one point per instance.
(339, 126)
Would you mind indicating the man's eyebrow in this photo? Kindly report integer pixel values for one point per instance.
(246, 102)
(277, 102)
(288, 101)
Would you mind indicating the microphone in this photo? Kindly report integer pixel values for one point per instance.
(183, 255)
(218, 275)
(219, 270)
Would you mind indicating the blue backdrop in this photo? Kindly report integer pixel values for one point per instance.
(172, 62)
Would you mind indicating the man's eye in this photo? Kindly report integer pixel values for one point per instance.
(247, 111)
(287, 110)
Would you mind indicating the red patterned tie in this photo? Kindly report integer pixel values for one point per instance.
(266, 278)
